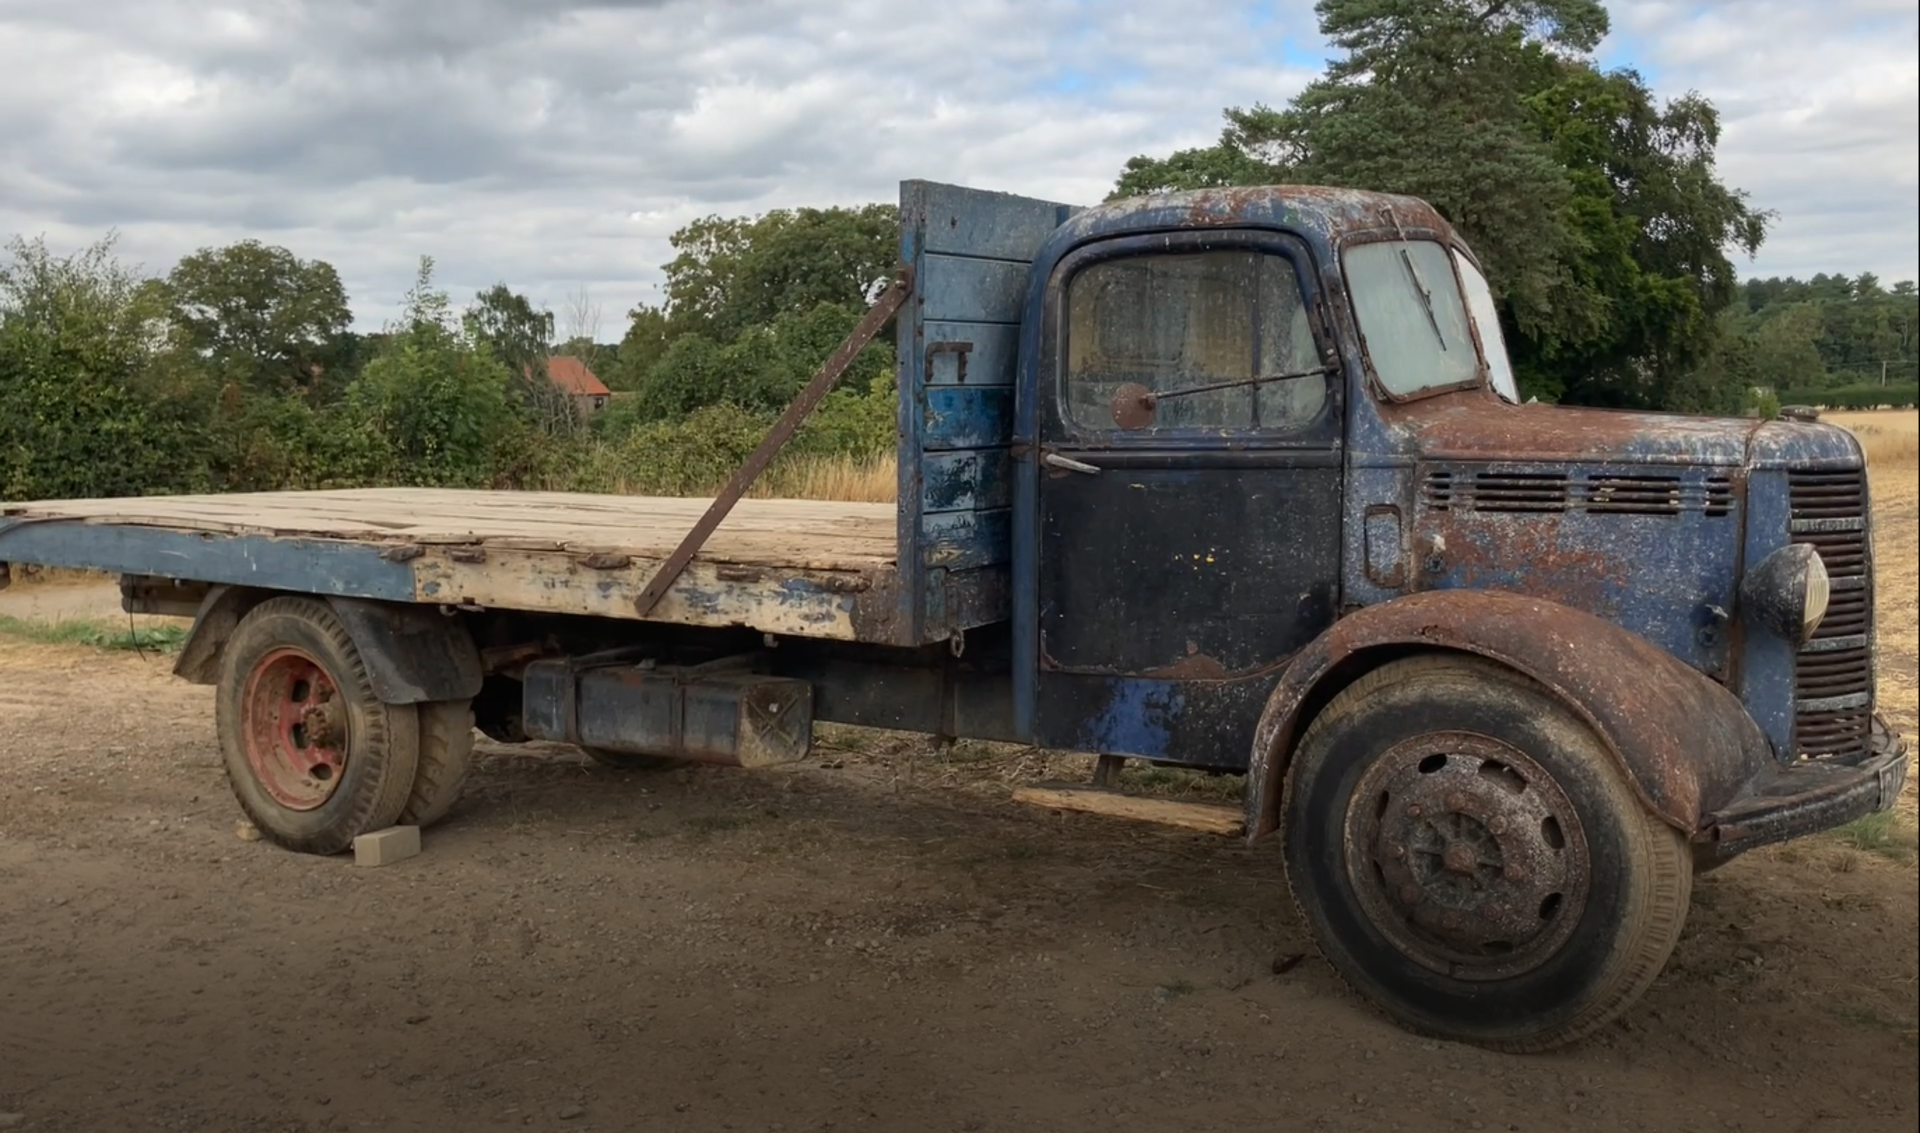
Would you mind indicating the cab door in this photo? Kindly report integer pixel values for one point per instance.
(1187, 518)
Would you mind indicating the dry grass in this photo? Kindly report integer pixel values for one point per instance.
(870, 479)
(1890, 437)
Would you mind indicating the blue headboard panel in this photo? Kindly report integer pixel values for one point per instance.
(958, 337)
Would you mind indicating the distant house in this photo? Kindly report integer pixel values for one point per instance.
(585, 393)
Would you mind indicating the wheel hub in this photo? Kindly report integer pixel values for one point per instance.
(295, 728)
(1466, 854)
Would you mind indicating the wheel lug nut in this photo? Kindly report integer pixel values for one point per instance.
(1415, 811)
(1497, 824)
(1397, 852)
(1410, 893)
(1456, 801)
(1515, 873)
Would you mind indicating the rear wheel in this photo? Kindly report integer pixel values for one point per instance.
(446, 756)
(313, 756)
(1469, 858)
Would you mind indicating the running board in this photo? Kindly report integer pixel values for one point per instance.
(1208, 818)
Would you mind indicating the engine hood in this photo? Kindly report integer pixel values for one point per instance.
(1473, 426)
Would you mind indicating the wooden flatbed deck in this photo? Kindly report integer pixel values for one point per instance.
(807, 567)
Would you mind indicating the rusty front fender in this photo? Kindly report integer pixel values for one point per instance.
(1687, 744)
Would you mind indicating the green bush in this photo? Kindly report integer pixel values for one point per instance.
(1897, 396)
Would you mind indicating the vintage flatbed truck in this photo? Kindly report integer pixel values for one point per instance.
(1232, 479)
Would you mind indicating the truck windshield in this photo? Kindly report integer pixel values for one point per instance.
(1411, 315)
(1486, 320)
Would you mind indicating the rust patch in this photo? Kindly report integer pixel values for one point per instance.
(1489, 550)
(1193, 667)
(877, 615)
(1475, 425)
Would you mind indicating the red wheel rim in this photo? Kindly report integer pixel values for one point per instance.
(295, 728)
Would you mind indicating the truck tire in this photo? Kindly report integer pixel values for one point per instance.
(313, 756)
(1469, 858)
(446, 756)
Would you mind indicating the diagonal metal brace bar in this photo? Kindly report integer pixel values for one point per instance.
(823, 381)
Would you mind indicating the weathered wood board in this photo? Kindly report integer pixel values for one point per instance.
(803, 567)
(958, 342)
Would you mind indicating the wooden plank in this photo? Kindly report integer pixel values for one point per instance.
(960, 540)
(962, 417)
(312, 566)
(981, 222)
(805, 604)
(809, 534)
(971, 251)
(1208, 818)
(965, 289)
(966, 480)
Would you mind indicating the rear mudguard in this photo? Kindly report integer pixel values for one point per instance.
(1687, 744)
(413, 654)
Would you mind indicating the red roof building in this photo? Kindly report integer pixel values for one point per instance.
(585, 393)
(573, 377)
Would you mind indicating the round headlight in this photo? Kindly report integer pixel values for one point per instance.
(1788, 592)
(1817, 593)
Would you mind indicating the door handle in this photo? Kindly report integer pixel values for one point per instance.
(1055, 460)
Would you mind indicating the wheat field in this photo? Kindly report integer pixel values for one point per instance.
(1891, 439)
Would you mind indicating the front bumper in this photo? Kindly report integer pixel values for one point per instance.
(1789, 801)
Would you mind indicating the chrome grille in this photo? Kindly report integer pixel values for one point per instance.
(1833, 675)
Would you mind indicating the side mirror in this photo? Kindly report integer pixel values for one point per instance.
(1134, 406)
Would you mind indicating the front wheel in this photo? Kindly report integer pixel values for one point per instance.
(1470, 859)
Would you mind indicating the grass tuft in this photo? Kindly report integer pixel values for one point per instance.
(1887, 833)
(96, 634)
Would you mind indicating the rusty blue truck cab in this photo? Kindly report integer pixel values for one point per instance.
(1179, 567)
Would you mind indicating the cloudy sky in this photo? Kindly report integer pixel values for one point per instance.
(555, 144)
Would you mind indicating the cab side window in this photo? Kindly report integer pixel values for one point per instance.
(1175, 322)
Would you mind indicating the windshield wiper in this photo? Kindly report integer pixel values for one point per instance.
(1426, 298)
(1256, 380)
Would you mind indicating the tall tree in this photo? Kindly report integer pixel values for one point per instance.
(437, 404)
(511, 328)
(1597, 212)
(734, 273)
(260, 315)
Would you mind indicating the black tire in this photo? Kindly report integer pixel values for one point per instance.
(446, 757)
(1444, 820)
(292, 654)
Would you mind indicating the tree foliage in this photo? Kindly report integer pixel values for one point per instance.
(85, 407)
(1596, 209)
(437, 402)
(259, 315)
(754, 306)
(736, 273)
(507, 324)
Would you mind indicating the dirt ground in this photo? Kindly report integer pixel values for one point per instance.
(876, 940)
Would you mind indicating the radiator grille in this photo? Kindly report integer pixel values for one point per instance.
(1833, 675)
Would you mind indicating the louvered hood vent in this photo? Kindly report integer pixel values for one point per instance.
(1640, 493)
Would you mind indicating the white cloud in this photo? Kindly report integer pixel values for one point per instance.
(559, 143)
(1820, 105)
